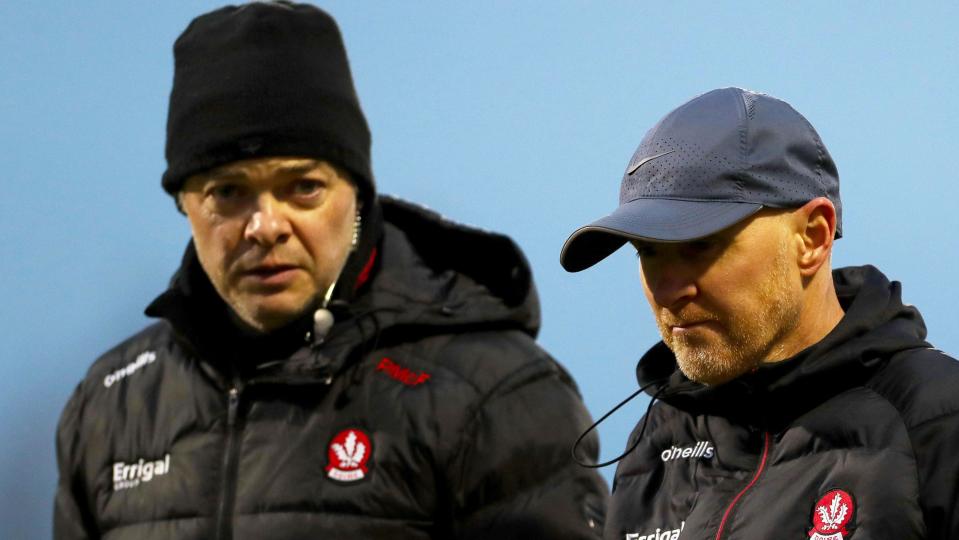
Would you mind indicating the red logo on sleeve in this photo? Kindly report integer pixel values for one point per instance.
(831, 515)
(402, 374)
(348, 457)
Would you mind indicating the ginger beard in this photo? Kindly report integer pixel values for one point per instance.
(737, 341)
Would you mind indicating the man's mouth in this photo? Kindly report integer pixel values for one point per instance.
(690, 326)
(271, 274)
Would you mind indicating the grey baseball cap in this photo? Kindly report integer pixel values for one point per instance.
(710, 163)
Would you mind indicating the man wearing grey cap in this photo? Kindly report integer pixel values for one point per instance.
(327, 362)
(789, 400)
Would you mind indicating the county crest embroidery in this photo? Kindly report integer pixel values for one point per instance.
(831, 515)
(348, 456)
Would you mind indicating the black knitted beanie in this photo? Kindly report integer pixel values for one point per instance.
(264, 79)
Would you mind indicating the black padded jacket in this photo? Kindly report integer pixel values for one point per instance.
(855, 437)
(427, 412)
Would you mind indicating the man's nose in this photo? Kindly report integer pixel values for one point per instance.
(267, 224)
(671, 288)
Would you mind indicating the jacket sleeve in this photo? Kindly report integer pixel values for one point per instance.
(936, 443)
(69, 519)
(512, 472)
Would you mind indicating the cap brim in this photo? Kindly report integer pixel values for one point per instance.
(655, 220)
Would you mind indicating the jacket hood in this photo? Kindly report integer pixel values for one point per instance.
(435, 272)
(875, 327)
(431, 274)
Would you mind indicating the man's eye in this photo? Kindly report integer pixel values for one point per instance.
(226, 192)
(698, 248)
(306, 188)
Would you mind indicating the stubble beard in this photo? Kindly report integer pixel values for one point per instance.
(746, 338)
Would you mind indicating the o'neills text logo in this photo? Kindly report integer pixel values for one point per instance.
(130, 475)
(143, 359)
(658, 534)
(703, 449)
(349, 455)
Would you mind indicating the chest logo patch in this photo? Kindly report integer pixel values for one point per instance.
(348, 456)
(831, 515)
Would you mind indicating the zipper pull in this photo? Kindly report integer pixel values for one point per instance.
(233, 403)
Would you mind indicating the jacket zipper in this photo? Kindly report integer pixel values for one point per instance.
(759, 471)
(228, 488)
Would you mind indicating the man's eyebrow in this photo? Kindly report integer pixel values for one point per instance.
(227, 175)
(238, 174)
(297, 168)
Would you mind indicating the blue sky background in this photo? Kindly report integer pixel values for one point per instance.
(513, 116)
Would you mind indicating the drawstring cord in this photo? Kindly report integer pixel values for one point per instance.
(639, 437)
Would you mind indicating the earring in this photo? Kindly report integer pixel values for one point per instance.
(357, 226)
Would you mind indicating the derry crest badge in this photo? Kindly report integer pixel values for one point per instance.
(348, 456)
(831, 515)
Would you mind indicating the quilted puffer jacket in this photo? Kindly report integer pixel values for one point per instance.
(855, 437)
(427, 412)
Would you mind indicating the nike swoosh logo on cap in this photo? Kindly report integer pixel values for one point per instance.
(643, 161)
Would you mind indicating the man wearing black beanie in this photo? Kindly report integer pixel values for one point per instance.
(328, 362)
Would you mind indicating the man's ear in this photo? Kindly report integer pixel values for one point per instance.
(178, 200)
(816, 222)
